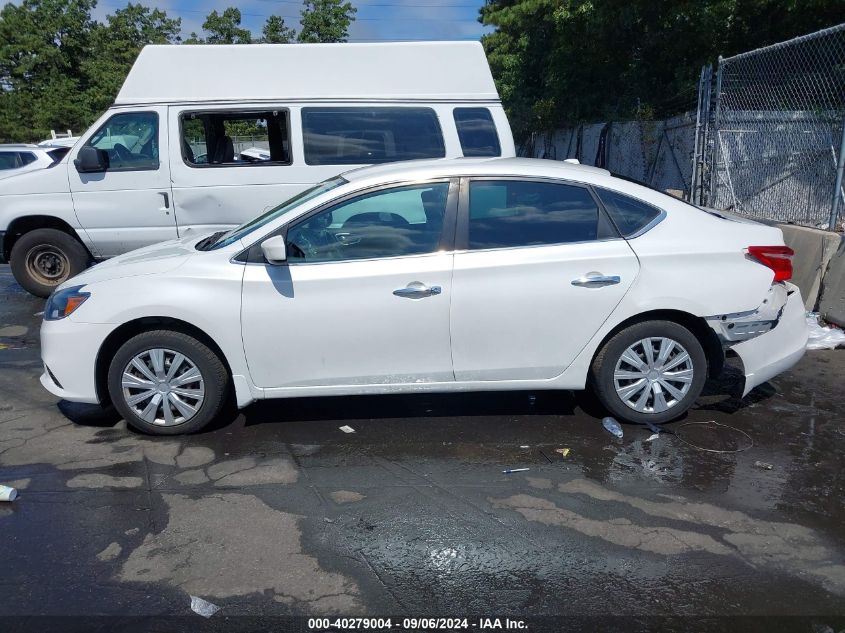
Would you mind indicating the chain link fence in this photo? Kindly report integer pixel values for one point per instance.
(770, 141)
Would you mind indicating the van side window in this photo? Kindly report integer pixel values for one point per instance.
(130, 139)
(365, 135)
(477, 132)
(235, 139)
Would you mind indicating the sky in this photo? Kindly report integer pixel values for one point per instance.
(376, 20)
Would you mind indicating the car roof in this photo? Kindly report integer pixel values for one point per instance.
(27, 146)
(423, 169)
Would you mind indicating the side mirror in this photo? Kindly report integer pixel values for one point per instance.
(274, 249)
(91, 160)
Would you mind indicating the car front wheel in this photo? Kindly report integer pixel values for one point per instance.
(649, 372)
(167, 383)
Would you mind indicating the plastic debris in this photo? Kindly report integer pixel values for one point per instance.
(203, 607)
(514, 470)
(346, 428)
(821, 337)
(564, 452)
(7, 493)
(525, 446)
(763, 465)
(652, 437)
(612, 426)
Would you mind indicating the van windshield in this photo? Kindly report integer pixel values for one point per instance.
(256, 223)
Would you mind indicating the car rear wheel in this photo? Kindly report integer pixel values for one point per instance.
(44, 258)
(651, 371)
(167, 383)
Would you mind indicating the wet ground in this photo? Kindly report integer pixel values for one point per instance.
(280, 513)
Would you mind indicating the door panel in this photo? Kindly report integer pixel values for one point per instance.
(526, 298)
(516, 314)
(363, 298)
(341, 323)
(129, 205)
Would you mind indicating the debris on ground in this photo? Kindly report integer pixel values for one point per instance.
(821, 337)
(564, 452)
(612, 426)
(203, 607)
(546, 456)
(524, 446)
(514, 470)
(8, 493)
(652, 437)
(346, 428)
(763, 465)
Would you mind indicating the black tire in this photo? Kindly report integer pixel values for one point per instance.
(604, 367)
(44, 258)
(215, 380)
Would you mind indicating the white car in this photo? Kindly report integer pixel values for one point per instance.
(21, 158)
(454, 275)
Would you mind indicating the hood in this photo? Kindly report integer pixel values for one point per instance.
(151, 260)
(52, 179)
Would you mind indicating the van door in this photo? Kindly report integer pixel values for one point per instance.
(129, 204)
(229, 164)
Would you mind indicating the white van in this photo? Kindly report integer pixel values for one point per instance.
(202, 138)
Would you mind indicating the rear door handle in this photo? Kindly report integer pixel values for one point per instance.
(596, 280)
(417, 290)
(166, 197)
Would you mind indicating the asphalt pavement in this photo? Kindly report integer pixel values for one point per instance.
(276, 512)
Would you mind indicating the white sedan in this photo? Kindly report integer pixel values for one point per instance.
(450, 275)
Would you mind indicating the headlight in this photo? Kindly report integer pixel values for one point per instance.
(64, 303)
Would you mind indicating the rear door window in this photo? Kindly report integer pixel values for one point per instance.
(368, 135)
(513, 213)
(628, 214)
(10, 160)
(477, 132)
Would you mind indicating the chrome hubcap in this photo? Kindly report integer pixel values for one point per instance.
(163, 387)
(653, 375)
(48, 264)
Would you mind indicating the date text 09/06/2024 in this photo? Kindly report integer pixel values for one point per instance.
(424, 624)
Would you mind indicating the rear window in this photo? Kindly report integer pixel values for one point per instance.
(628, 214)
(477, 132)
(364, 136)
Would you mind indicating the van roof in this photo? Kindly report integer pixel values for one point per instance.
(456, 71)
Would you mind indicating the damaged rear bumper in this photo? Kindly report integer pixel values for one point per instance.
(768, 340)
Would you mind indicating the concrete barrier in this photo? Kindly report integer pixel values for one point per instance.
(815, 252)
(832, 304)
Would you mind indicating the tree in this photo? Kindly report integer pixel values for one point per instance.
(223, 28)
(558, 62)
(116, 44)
(326, 20)
(275, 31)
(43, 44)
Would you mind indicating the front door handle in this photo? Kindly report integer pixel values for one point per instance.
(596, 280)
(417, 290)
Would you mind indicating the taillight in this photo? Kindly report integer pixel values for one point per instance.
(778, 258)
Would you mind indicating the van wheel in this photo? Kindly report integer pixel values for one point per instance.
(167, 383)
(44, 258)
(649, 372)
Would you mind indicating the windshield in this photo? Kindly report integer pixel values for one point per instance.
(256, 223)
